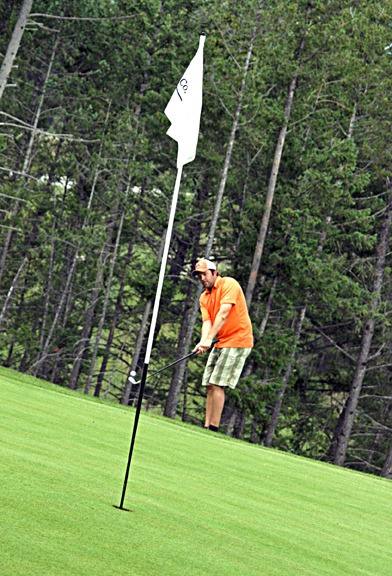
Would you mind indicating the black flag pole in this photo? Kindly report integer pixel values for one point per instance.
(135, 425)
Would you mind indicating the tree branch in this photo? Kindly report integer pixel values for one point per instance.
(331, 341)
(55, 17)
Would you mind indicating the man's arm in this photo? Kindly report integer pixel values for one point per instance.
(209, 331)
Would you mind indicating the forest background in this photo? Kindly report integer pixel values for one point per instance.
(290, 193)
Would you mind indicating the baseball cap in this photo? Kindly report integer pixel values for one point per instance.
(203, 265)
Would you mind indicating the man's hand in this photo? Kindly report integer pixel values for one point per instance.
(203, 345)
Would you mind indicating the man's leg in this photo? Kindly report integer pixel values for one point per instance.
(211, 362)
(214, 404)
(224, 365)
(208, 407)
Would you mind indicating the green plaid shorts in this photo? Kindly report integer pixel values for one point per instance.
(224, 366)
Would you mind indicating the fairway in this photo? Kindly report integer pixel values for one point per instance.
(201, 504)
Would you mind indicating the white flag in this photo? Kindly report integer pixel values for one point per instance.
(184, 108)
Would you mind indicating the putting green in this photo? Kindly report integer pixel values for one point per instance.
(201, 503)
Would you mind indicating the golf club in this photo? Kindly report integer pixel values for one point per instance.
(133, 373)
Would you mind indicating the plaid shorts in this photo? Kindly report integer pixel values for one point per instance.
(224, 366)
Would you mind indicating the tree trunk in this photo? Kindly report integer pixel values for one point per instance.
(241, 233)
(13, 46)
(185, 338)
(125, 399)
(234, 128)
(45, 350)
(249, 366)
(366, 341)
(241, 421)
(103, 313)
(66, 293)
(11, 290)
(273, 176)
(27, 158)
(18, 320)
(89, 315)
(254, 436)
(136, 355)
(120, 294)
(386, 471)
(48, 283)
(286, 378)
(67, 299)
(231, 422)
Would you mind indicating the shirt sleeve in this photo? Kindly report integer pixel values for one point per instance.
(230, 290)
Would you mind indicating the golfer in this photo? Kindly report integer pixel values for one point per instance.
(225, 317)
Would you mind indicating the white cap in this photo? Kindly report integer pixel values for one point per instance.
(203, 265)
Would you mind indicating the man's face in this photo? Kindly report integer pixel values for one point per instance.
(207, 278)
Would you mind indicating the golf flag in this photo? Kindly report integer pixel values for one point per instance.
(184, 108)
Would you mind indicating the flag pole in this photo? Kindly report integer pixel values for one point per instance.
(152, 330)
(183, 111)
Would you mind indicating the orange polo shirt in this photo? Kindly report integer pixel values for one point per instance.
(237, 331)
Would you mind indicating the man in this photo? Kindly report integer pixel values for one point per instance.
(225, 317)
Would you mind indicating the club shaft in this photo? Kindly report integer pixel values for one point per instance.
(175, 362)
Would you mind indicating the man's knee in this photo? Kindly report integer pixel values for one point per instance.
(212, 387)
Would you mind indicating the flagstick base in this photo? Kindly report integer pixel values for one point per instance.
(123, 509)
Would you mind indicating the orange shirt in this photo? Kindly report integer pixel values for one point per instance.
(237, 331)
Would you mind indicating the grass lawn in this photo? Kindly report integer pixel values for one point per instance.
(202, 504)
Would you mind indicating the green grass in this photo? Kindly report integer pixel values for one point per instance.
(201, 503)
